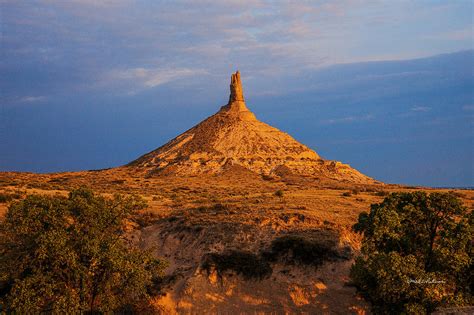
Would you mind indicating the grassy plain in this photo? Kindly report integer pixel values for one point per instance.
(203, 224)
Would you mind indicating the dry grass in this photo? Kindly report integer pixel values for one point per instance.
(222, 198)
(212, 221)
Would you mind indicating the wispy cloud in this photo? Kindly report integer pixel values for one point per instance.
(31, 99)
(85, 40)
(349, 119)
(153, 77)
(468, 108)
(131, 81)
(420, 109)
(393, 75)
(455, 35)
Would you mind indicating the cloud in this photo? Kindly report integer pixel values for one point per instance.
(393, 75)
(420, 109)
(150, 78)
(134, 80)
(454, 35)
(123, 41)
(468, 108)
(31, 99)
(349, 119)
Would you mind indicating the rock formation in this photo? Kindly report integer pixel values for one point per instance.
(236, 106)
(236, 93)
(234, 136)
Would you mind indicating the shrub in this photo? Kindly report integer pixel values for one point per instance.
(346, 194)
(417, 253)
(216, 208)
(7, 197)
(4, 197)
(381, 193)
(279, 193)
(67, 254)
(457, 194)
(244, 263)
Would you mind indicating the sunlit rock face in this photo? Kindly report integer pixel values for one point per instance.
(234, 136)
(236, 92)
(236, 107)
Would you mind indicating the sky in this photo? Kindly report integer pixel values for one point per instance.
(386, 86)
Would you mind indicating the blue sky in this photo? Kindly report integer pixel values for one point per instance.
(88, 84)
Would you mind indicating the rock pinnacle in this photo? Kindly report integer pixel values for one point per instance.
(236, 106)
(236, 92)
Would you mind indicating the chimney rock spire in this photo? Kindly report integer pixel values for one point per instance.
(236, 106)
(236, 92)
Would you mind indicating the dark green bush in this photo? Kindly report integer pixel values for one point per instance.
(417, 253)
(7, 197)
(69, 255)
(279, 193)
(4, 197)
(381, 193)
(118, 181)
(216, 208)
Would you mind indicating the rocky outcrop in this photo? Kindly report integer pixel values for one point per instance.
(236, 107)
(236, 92)
(234, 136)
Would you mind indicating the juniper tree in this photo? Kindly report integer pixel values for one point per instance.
(417, 253)
(59, 254)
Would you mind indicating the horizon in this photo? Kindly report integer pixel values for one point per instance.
(91, 86)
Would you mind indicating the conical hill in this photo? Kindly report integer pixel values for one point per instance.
(234, 136)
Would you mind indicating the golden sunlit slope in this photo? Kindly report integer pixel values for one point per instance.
(234, 136)
(230, 216)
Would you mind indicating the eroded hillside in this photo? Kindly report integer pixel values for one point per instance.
(238, 241)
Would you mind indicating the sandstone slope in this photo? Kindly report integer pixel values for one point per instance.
(234, 136)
